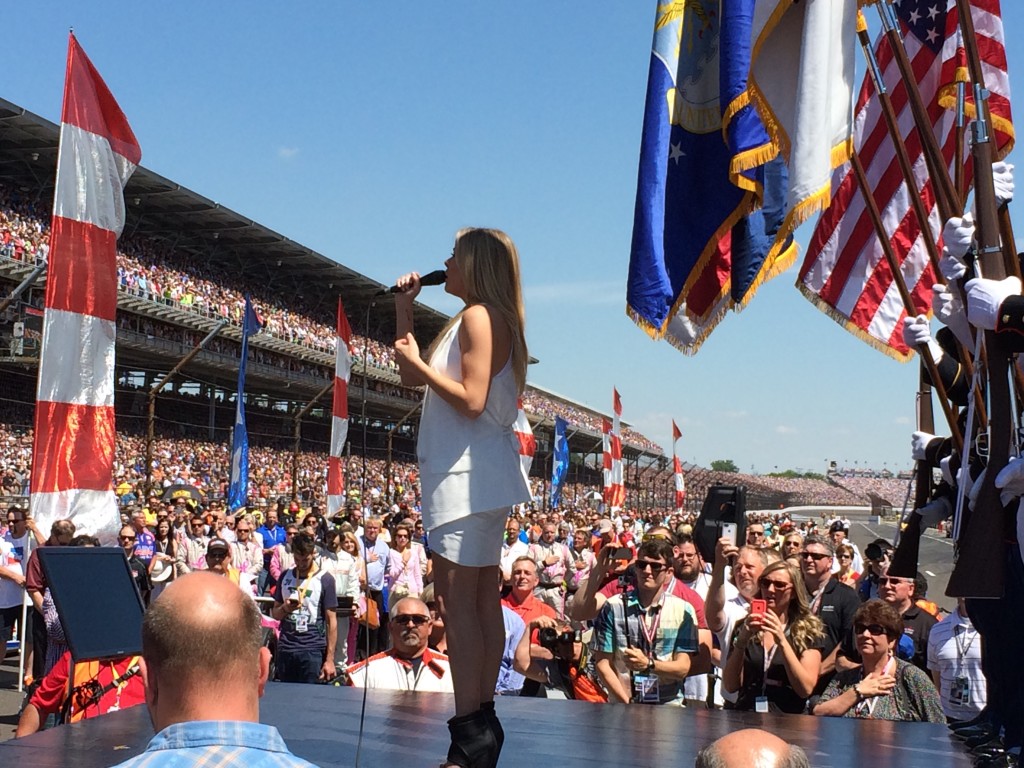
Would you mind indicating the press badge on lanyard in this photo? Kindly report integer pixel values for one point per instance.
(761, 702)
(646, 688)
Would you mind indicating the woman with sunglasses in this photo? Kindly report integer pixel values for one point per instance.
(776, 655)
(846, 575)
(470, 472)
(406, 567)
(884, 687)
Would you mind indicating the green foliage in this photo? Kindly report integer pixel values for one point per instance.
(724, 465)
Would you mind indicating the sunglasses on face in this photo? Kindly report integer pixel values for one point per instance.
(845, 557)
(411, 618)
(216, 555)
(893, 580)
(126, 538)
(655, 568)
(815, 556)
(778, 586)
(875, 629)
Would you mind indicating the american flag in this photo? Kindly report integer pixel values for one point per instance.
(339, 411)
(614, 488)
(845, 272)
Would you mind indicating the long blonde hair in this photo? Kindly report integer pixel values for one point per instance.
(489, 263)
(803, 627)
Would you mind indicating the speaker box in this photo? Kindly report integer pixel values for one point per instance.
(723, 504)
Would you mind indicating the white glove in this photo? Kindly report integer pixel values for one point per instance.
(917, 332)
(951, 267)
(1010, 481)
(950, 312)
(934, 512)
(919, 444)
(985, 297)
(947, 473)
(975, 487)
(1002, 176)
(957, 235)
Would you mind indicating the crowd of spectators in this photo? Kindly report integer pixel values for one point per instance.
(153, 271)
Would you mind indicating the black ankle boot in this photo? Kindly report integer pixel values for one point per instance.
(499, 733)
(474, 744)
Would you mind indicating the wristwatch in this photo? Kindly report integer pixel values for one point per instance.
(650, 666)
(856, 690)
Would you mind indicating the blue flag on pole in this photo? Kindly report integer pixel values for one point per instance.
(238, 490)
(559, 460)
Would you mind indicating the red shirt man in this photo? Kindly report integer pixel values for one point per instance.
(521, 600)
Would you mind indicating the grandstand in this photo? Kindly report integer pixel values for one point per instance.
(185, 264)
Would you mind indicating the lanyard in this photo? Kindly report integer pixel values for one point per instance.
(768, 656)
(816, 603)
(302, 588)
(650, 632)
(867, 707)
(969, 633)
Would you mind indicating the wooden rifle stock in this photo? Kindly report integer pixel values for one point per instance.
(908, 541)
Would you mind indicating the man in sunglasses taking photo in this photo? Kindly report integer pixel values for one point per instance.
(410, 665)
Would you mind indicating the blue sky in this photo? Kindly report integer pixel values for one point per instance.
(371, 132)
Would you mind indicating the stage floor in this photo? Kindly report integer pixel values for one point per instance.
(321, 724)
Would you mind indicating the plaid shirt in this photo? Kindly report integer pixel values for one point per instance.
(221, 743)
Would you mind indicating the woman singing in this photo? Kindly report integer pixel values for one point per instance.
(470, 472)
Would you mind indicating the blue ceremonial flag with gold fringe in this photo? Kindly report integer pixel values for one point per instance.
(687, 203)
(749, 107)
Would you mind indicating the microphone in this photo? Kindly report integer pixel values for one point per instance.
(437, 277)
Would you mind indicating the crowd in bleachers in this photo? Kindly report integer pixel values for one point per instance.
(888, 488)
(155, 272)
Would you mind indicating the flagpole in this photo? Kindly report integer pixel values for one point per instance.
(908, 303)
(298, 434)
(960, 182)
(903, 158)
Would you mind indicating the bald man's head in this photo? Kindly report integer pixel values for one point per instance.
(751, 748)
(201, 629)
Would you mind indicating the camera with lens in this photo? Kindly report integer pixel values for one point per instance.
(875, 551)
(549, 637)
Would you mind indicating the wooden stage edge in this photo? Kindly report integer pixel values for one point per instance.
(321, 724)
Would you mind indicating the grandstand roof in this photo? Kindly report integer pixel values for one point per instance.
(160, 208)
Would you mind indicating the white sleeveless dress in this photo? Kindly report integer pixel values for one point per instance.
(470, 472)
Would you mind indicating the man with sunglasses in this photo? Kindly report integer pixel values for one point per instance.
(127, 538)
(12, 571)
(645, 638)
(832, 602)
(898, 591)
(194, 550)
(410, 665)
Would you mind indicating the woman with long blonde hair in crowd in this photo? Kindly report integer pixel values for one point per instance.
(470, 473)
(776, 655)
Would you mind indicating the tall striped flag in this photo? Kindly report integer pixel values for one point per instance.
(677, 474)
(238, 487)
(73, 453)
(339, 411)
(527, 442)
(677, 469)
(845, 273)
(614, 488)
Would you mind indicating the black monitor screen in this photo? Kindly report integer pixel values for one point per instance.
(99, 606)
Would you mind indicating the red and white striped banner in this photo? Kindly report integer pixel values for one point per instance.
(677, 471)
(339, 420)
(527, 442)
(73, 454)
(614, 489)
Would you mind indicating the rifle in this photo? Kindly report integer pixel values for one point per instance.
(979, 568)
(908, 539)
